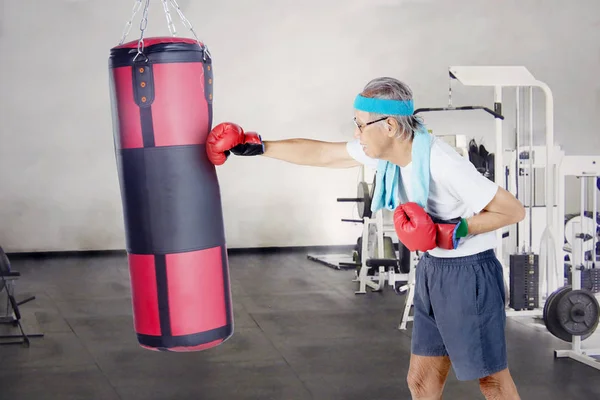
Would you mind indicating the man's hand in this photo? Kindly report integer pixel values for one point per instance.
(228, 137)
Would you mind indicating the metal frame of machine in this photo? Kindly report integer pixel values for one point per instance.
(585, 168)
(501, 77)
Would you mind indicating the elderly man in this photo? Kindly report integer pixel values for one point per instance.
(443, 207)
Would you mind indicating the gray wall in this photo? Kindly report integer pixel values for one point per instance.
(284, 68)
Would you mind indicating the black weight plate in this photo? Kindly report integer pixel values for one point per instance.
(551, 317)
(364, 207)
(578, 312)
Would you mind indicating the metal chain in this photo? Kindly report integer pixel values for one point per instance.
(143, 26)
(136, 8)
(170, 23)
(188, 25)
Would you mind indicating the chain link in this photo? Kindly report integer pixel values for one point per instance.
(136, 8)
(170, 23)
(143, 26)
(188, 25)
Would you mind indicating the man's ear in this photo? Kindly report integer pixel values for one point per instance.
(392, 126)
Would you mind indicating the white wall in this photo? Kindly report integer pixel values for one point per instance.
(284, 68)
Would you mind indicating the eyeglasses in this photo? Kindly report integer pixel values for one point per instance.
(360, 127)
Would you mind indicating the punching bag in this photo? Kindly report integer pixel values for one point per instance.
(162, 114)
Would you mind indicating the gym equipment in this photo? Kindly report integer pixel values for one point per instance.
(339, 261)
(457, 142)
(377, 263)
(481, 159)
(374, 258)
(13, 314)
(379, 259)
(524, 278)
(363, 199)
(569, 313)
(4, 268)
(524, 282)
(590, 279)
(572, 313)
(162, 94)
(497, 113)
(500, 78)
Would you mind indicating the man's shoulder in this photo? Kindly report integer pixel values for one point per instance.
(444, 156)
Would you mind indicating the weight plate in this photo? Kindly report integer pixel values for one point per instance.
(364, 207)
(578, 312)
(551, 316)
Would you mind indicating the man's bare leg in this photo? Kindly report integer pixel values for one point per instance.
(499, 386)
(427, 376)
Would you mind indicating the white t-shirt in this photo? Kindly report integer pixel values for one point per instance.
(456, 189)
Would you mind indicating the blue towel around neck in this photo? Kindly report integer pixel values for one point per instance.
(387, 178)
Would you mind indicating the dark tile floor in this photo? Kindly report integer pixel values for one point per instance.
(301, 333)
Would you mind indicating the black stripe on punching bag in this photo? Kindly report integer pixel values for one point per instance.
(226, 283)
(208, 89)
(164, 343)
(193, 219)
(143, 92)
(162, 290)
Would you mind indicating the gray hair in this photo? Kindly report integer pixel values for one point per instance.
(392, 89)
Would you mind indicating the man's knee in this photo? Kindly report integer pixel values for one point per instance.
(423, 388)
(426, 381)
(490, 387)
(499, 386)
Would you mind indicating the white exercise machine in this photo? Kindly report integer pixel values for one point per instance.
(581, 312)
(517, 77)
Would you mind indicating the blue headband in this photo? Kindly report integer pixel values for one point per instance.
(383, 106)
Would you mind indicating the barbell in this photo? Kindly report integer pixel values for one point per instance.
(363, 200)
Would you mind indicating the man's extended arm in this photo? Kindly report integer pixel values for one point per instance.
(310, 152)
(503, 210)
(228, 138)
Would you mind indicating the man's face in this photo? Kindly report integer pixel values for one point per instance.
(374, 137)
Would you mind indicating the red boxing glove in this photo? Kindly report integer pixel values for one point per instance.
(228, 137)
(414, 227)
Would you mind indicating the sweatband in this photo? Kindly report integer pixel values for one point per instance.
(384, 106)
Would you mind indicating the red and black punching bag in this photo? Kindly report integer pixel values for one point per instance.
(175, 236)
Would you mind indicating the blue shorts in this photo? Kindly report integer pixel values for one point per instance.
(459, 311)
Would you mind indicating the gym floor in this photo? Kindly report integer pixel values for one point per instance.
(301, 333)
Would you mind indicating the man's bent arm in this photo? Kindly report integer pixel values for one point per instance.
(310, 152)
(503, 210)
